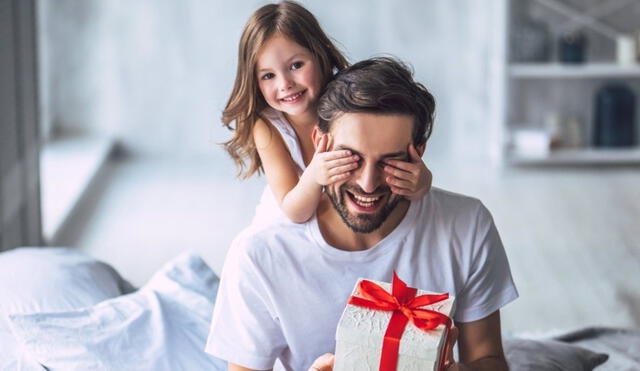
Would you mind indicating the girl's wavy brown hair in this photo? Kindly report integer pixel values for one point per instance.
(246, 102)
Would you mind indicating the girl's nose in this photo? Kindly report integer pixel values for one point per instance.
(286, 83)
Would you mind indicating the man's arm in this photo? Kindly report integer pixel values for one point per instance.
(480, 345)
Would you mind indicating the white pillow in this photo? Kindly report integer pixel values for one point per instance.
(49, 279)
(162, 326)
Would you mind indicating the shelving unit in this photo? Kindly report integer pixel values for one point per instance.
(582, 71)
(533, 91)
(583, 156)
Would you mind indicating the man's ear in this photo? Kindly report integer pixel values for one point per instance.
(421, 148)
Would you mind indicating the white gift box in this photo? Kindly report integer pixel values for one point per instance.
(360, 336)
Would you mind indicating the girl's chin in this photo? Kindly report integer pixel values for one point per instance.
(297, 111)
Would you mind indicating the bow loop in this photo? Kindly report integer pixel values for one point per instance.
(428, 299)
(370, 290)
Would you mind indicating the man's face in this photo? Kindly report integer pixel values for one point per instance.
(364, 200)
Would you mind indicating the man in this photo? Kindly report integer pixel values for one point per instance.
(284, 288)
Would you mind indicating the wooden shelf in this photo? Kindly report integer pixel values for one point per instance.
(579, 156)
(587, 70)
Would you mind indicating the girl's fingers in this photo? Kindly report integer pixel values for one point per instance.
(341, 161)
(335, 155)
(398, 173)
(342, 169)
(337, 177)
(400, 183)
(402, 165)
(322, 145)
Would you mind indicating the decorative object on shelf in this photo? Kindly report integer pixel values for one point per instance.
(564, 131)
(574, 133)
(531, 142)
(572, 47)
(530, 41)
(614, 117)
(625, 50)
(553, 126)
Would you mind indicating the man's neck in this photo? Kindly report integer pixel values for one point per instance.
(337, 234)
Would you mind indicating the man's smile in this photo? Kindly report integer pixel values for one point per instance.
(364, 203)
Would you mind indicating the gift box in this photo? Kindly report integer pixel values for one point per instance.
(390, 327)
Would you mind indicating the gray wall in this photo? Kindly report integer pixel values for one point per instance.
(156, 73)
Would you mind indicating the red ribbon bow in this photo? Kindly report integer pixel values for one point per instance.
(406, 307)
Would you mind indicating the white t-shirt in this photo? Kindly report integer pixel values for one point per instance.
(268, 211)
(284, 288)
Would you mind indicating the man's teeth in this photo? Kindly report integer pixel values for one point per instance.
(365, 201)
(292, 98)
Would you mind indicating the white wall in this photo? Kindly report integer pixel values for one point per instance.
(156, 73)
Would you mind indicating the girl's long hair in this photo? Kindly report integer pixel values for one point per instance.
(246, 101)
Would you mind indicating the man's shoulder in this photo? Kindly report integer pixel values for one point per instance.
(453, 202)
(453, 210)
(260, 243)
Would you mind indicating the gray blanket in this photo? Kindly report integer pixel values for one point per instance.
(622, 346)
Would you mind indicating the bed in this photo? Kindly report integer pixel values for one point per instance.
(63, 310)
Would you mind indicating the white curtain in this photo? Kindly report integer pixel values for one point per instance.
(20, 221)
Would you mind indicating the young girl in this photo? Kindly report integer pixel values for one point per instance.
(284, 62)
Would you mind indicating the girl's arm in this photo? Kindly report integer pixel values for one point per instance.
(298, 197)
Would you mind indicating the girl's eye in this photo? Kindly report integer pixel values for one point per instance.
(267, 76)
(296, 65)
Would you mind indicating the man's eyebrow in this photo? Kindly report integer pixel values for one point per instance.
(385, 156)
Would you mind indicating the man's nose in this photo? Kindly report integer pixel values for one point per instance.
(369, 177)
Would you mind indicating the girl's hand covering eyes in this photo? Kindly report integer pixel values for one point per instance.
(411, 179)
(330, 167)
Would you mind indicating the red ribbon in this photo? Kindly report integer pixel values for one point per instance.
(406, 307)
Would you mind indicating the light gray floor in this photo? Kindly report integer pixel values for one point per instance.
(572, 236)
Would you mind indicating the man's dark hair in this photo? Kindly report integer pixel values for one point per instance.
(380, 85)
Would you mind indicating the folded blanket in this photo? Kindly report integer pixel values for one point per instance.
(622, 345)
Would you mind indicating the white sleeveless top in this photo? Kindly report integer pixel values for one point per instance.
(268, 210)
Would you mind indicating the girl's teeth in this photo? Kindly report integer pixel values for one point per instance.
(292, 98)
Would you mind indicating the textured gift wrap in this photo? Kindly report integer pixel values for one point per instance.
(361, 331)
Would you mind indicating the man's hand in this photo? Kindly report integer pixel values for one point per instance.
(409, 178)
(323, 363)
(449, 363)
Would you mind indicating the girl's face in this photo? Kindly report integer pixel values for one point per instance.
(288, 76)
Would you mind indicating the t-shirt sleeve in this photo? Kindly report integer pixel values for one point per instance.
(489, 285)
(244, 330)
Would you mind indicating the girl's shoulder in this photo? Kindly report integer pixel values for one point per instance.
(278, 120)
(263, 132)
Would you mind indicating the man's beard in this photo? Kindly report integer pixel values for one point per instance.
(362, 223)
